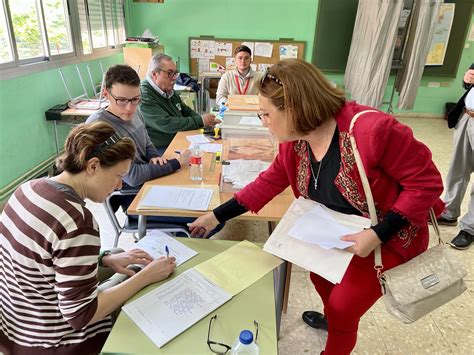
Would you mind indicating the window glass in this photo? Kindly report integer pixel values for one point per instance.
(6, 53)
(57, 26)
(26, 28)
(97, 26)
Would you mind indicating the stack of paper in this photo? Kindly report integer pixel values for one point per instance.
(173, 197)
(328, 263)
(336, 225)
(241, 172)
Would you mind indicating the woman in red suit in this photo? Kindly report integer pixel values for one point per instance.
(311, 121)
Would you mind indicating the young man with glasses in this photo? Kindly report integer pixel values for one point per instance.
(164, 112)
(122, 89)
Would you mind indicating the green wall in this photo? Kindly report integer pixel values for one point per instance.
(26, 138)
(176, 20)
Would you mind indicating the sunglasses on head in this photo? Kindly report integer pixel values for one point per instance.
(271, 77)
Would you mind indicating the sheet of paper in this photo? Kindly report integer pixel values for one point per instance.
(263, 67)
(288, 51)
(198, 138)
(330, 264)
(170, 309)
(263, 49)
(250, 121)
(208, 147)
(155, 242)
(241, 172)
(308, 228)
(224, 49)
(238, 267)
(185, 198)
(251, 45)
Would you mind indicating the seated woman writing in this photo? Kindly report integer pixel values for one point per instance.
(311, 121)
(49, 252)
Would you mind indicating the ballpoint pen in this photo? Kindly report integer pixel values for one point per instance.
(167, 251)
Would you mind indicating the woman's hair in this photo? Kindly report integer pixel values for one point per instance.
(121, 74)
(242, 49)
(300, 89)
(89, 140)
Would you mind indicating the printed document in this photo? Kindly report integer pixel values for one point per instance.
(198, 138)
(328, 263)
(308, 227)
(207, 147)
(173, 307)
(238, 267)
(155, 242)
(184, 198)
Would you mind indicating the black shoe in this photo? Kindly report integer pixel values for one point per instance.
(446, 221)
(462, 241)
(315, 320)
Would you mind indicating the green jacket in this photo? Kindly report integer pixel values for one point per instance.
(164, 117)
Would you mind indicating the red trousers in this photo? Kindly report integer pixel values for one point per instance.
(346, 303)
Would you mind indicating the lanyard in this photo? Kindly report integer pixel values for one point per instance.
(237, 81)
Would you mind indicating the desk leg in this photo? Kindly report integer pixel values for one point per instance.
(56, 138)
(286, 293)
(279, 275)
(141, 226)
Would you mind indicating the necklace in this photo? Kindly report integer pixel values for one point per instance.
(317, 175)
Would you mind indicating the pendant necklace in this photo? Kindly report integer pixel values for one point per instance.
(311, 167)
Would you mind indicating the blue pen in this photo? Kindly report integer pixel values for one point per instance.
(167, 251)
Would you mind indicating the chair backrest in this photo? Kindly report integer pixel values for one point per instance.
(123, 198)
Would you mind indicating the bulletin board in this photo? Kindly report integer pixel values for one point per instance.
(219, 52)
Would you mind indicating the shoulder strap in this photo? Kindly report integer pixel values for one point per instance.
(365, 184)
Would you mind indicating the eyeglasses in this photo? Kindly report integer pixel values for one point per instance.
(124, 102)
(221, 348)
(271, 77)
(171, 74)
(261, 115)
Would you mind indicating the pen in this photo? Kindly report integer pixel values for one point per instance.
(167, 251)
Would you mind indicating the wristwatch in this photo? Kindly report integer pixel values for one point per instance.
(101, 256)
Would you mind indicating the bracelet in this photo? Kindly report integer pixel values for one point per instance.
(101, 256)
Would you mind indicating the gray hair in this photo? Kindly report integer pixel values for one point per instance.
(155, 62)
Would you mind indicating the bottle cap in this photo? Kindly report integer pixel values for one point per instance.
(246, 337)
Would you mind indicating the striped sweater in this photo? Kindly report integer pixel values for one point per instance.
(49, 247)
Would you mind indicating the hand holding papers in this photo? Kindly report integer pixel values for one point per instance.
(328, 263)
(336, 225)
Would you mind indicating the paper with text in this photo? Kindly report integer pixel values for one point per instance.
(238, 267)
(328, 263)
(198, 138)
(173, 307)
(185, 198)
(308, 227)
(155, 241)
(207, 147)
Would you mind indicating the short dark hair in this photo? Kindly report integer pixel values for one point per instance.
(242, 49)
(121, 74)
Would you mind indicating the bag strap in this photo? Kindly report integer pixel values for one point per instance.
(370, 199)
(368, 192)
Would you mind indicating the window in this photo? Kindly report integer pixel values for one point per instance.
(33, 31)
(6, 54)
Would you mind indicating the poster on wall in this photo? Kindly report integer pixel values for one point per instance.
(263, 49)
(224, 49)
(203, 49)
(442, 29)
(288, 51)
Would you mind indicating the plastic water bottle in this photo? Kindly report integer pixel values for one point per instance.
(244, 344)
(196, 168)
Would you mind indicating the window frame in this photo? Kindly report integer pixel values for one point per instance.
(18, 67)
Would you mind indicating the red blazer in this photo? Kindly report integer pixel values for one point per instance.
(401, 174)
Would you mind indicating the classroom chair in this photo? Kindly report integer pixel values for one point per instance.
(130, 225)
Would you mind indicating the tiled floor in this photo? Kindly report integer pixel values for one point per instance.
(448, 330)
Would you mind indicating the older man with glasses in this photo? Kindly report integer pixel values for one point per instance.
(164, 112)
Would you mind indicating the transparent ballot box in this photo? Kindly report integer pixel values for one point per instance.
(243, 159)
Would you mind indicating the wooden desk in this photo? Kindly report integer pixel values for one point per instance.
(272, 212)
(257, 302)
